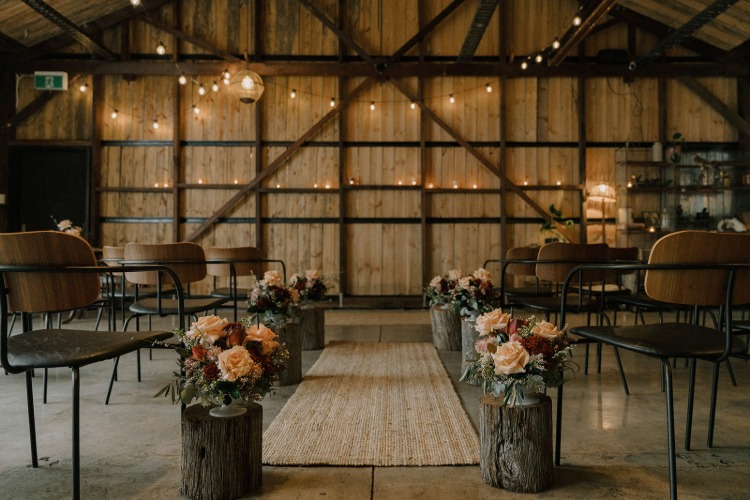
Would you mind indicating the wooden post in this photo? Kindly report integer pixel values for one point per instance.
(221, 457)
(446, 328)
(515, 444)
(469, 337)
(290, 335)
(312, 324)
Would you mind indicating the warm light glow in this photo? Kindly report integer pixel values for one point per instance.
(236, 181)
(166, 185)
(114, 114)
(182, 79)
(196, 109)
(630, 184)
(414, 182)
(200, 181)
(525, 183)
(333, 101)
(351, 181)
(559, 183)
(293, 94)
(413, 105)
(84, 87)
(315, 185)
(155, 124)
(474, 186)
(539, 58)
(524, 65)
(135, 3)
(452, 99)
(226, 75)
(278, 186)
(247, 83)
(577, 21)
(202, 89)
(215, 86)
(160, 49)
(372, 105)
(430, 185)
(328, 185)
(488, 88)
(455, 184)
(156, 184)
(400, 182)
(556, 44)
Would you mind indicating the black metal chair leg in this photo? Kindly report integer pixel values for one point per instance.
(112, 380)
(731, 373)
(76, 436)
(32, 423)
(622, 372)
(558, 425)
(98, 319)
(691, 397)
(138, 362)
(44, 386)
(670, 430)
(712, 408)
(586, 362)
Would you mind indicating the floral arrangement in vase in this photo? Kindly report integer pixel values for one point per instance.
(271, 301)
(473, 294)
(517, 356)
(440, 289)
(310, 285)
(67, 226)
(221, 362)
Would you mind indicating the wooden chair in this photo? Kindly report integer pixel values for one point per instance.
(520, 262)
(688, 268)
(187, 261)
(51, 271)
(235, 262)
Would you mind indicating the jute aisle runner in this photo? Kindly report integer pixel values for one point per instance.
(367, 403)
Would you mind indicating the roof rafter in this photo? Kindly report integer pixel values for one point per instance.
(576, 34)
(191, 39)
(482, 16)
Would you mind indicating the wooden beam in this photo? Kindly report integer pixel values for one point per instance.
(482, 16)
(279, 162)
(717, 104)
(35, 105)
(181, 35)
(576, 34)
(177, 117)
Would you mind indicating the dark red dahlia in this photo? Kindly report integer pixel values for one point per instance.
(211, 372)
(540, 345)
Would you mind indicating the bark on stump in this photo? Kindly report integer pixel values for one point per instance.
(221, 457)
(515, 450)
(446, 328)
(312, 324)
(289, 334)
(469, 337)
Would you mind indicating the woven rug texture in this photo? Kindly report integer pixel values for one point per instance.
(369, 403)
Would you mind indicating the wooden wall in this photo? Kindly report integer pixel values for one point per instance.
(379, 200)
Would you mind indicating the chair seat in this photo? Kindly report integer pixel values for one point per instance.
(169, 306)
(643, 301)
(553, 304)
(242, 293)
(528, 291)
(743, 325)
(67, 348)
(607, 289)
(681, 340)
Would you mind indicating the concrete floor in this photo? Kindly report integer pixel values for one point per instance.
(614, 446)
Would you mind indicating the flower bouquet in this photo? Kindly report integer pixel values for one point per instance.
(310, 285)
(271, 301)
(473, 294)
(222, 361)
(440, 289)
(517, 355)
(67, 226)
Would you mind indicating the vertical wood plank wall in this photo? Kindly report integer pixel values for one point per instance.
(414, 203)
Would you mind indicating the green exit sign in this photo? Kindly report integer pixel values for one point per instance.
(50, 80)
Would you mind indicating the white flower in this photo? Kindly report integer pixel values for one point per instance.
(312, 274)
(435, 282)
(482, 274)
(464, 283)
(272, 278)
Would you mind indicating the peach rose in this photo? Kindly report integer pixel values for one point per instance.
(546, 330)
(312, 274)
(261, 333)
(493, 321)
(435, 282)
(510, 357)
(208, 327)
(272, 278)
(464, 283)
(235, 363)
(455, 274)
(482, 274)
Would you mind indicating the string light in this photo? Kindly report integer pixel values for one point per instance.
(156, 184)
(200, 181)
(525, 183)
(455, 184)
(577, 21)
(215, 86)
(414, 182)
(166, 185)
(333, 101)
(236, 181)
(201, 89)
(155, 124)
(226, 76)
(372, 105)
(452, 99)
(114, 114)
(84, 87)
(328, 185)
(524, 65)
(488, 87)
(315, 186)
(293, 93)
(474, 186)
(430, 185)
(196, 109)
(556, 43)
(559, 183)
(538, 58)
(413, 105)
(135, 3)
(400, 182)
(182, 80)
(278, 186)
(160, 49)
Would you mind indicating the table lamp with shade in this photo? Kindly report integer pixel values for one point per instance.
(602, 193)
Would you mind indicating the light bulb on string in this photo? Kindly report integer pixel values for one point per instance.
(114, 114)
(182, 80)
(451, 99)
(372, 105)
(226, 75)
(333, 102)
(135, 3)
(488, 88)
(556, 43)
(160, 49)
(293, 94)
(84, 87)
(524, 65)
(196, 109)
(413, 105)
(155, 124)
(215, 86)
(577, 21)
(236, 181)
(201, 89)
(539, 58)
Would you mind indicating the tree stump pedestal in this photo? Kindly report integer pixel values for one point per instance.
(446, 328)
(312, 324)
(221, 457)
(469, 337)
(515, 444)
(289, 334)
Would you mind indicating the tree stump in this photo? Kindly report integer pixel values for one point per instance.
(515, 444)
(290, 335)
(469, 337)
(312, 324)
(221, 457)
(446, 328)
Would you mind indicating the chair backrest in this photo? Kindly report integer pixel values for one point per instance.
(699, 287)
(187, 260)
(521, 253)
(625, 255)
(41, 292)
(111, 255)
(569, 255)
(236, 253)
